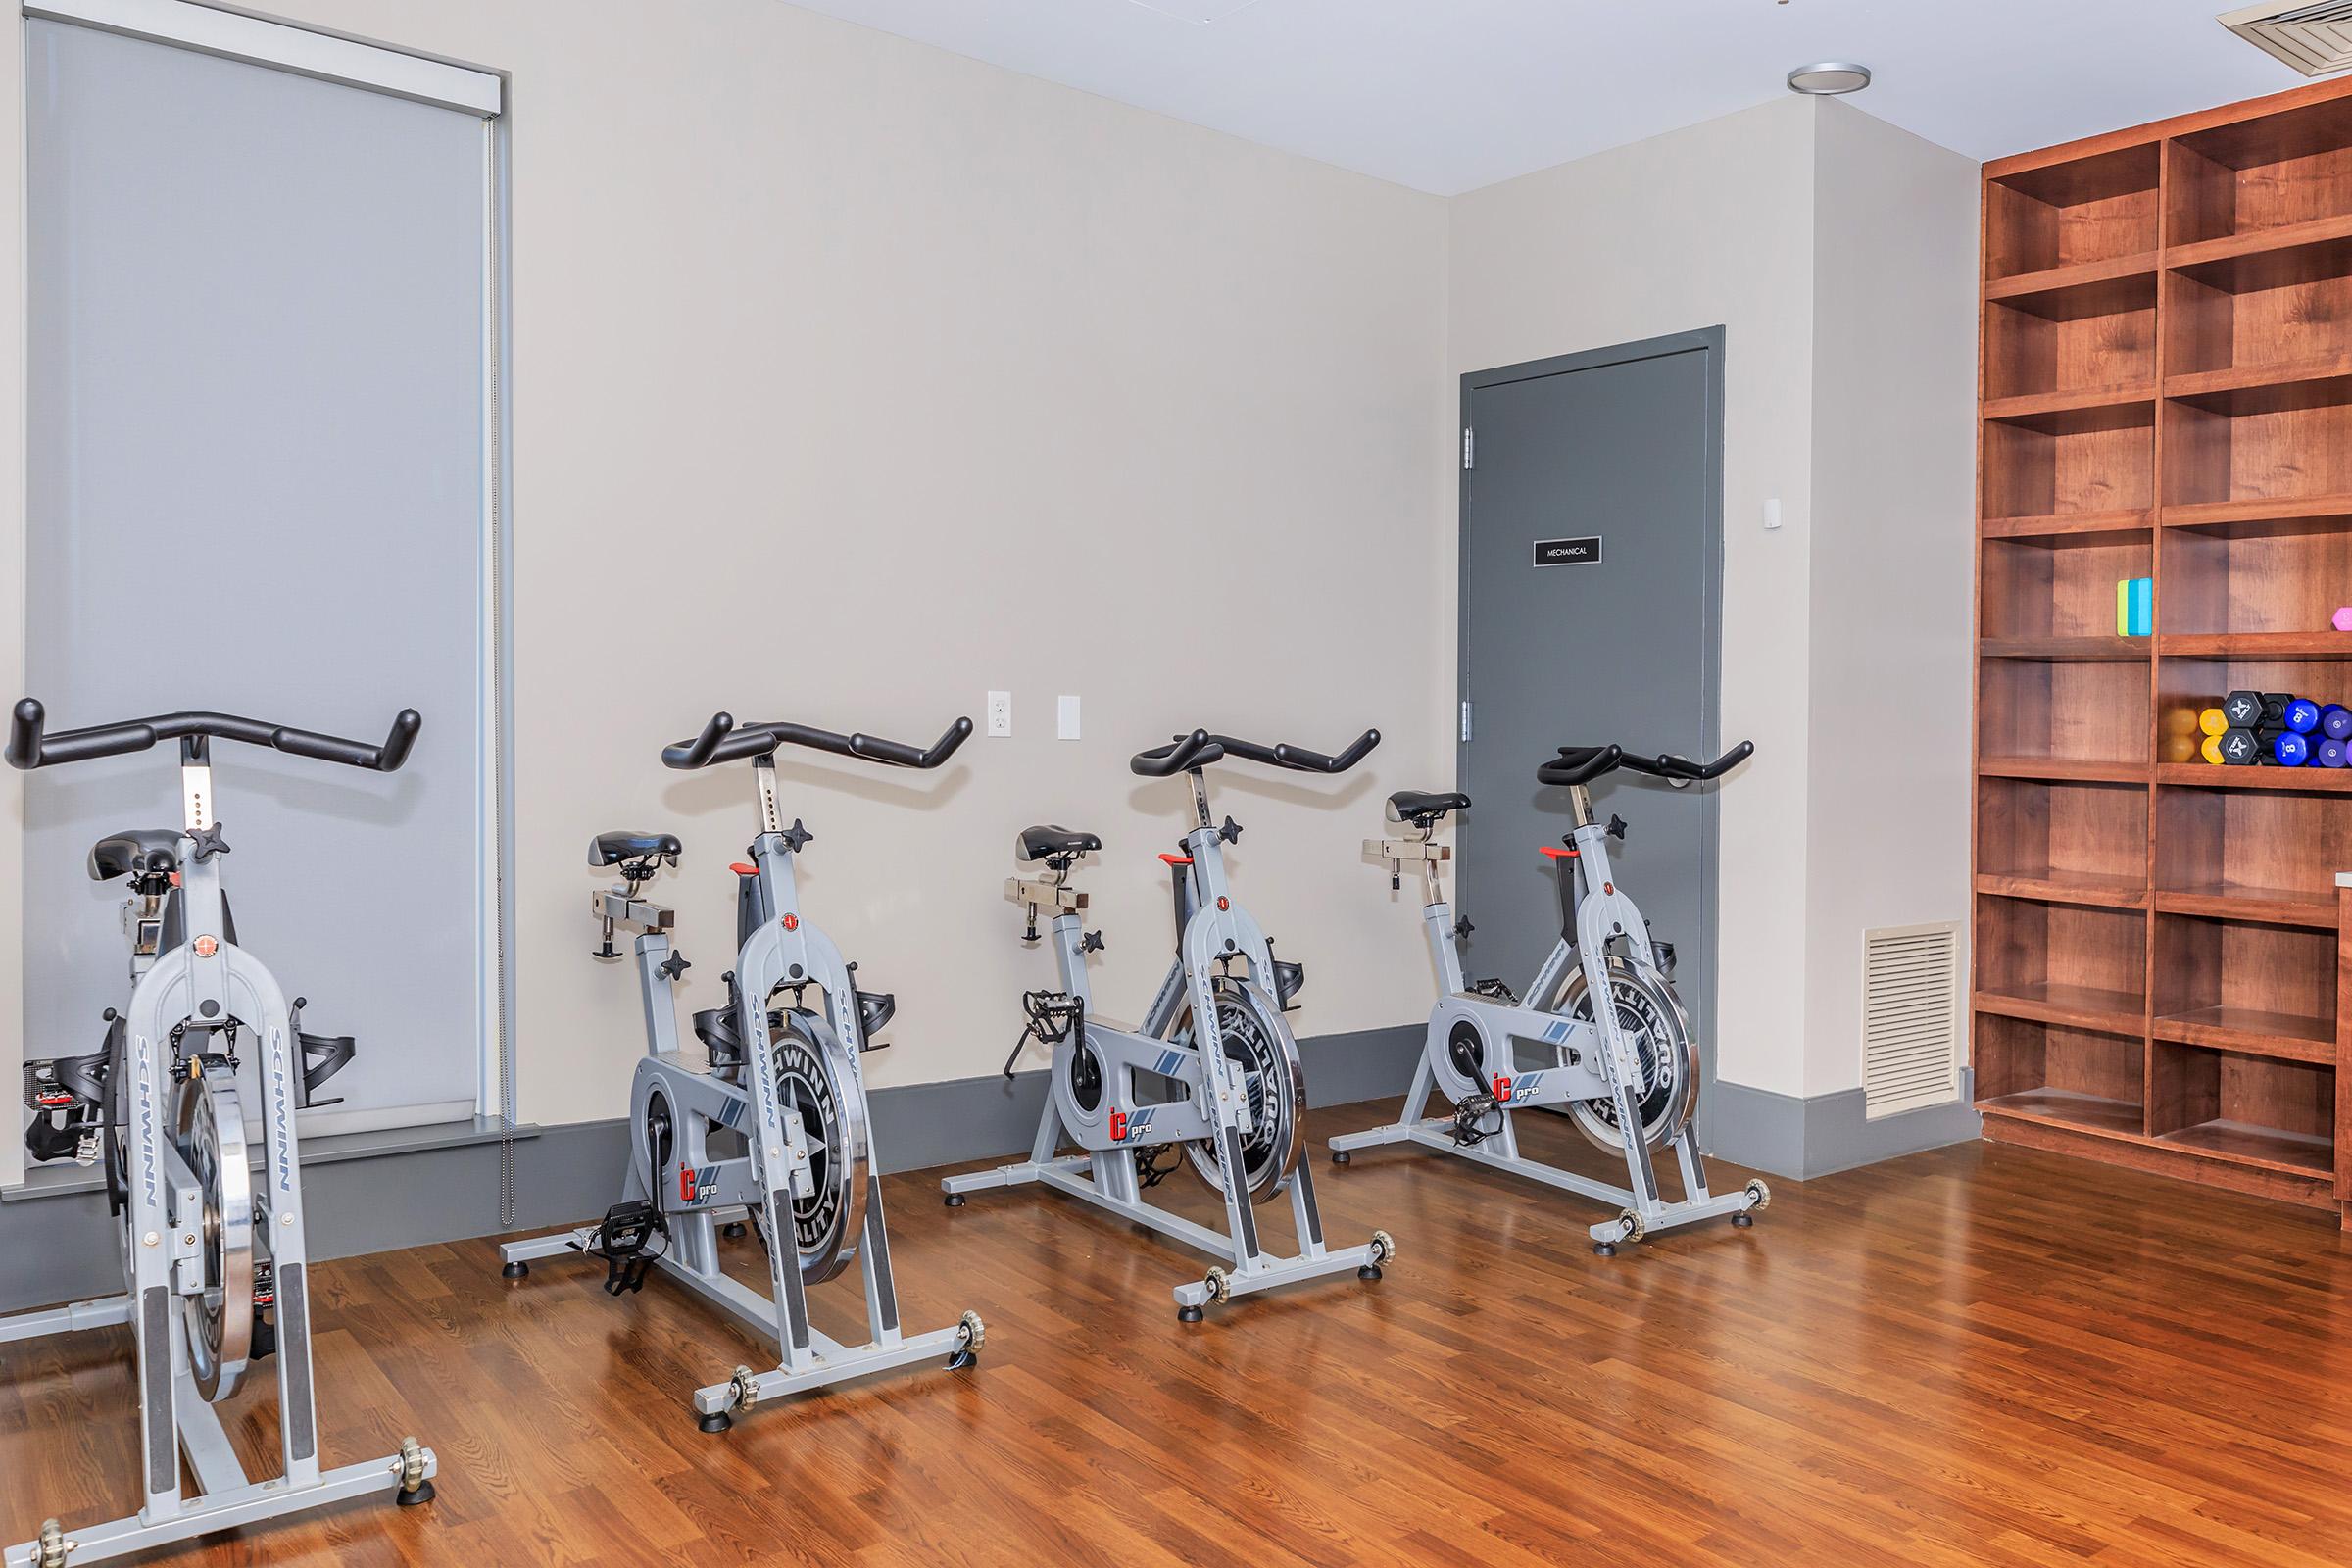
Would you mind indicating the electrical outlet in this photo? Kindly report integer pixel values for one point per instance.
(999, 713)
(1065, 726)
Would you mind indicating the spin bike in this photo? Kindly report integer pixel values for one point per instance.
(1212, 1079)
(1627, 1073)
(215, 1265)
(771, 1125)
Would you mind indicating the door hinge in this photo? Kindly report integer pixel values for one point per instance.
(1469, 449)
(1465, 718)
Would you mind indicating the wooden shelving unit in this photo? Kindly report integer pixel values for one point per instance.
(2166, 392)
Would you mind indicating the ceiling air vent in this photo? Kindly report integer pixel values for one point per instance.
(2313, 38)
(1910, 1018)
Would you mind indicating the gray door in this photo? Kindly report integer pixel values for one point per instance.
(1623, 445)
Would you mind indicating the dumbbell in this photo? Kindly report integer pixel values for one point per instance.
(2330, 753)
(2239, 748)
(2291, 749)
(2246, 710)
(2213, 721)
(2300, 714)
(2210, 749)
(2335, 722)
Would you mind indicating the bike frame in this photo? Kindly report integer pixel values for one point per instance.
(195, 989)
(1215, 930)
(698, 1193)
(1603, 1062)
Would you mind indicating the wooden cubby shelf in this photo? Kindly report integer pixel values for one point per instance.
(2166, 393)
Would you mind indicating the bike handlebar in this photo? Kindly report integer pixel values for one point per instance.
(1582, 765)
(31, 746)
(1181, 754)
(720, 741)
(1200, 748)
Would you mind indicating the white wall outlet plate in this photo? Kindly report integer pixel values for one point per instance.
(1066, 719)
(999, 713)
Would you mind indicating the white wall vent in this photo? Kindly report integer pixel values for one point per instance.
(2313, 38)
(1910, 1017)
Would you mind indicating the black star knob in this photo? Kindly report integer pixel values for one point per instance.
(676, 966)
(797, 837)
(206, 843)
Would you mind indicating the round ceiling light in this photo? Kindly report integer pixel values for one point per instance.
(1829, 79)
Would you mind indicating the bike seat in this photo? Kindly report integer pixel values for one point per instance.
(140, 851)
(1416, 804)
(1051, 841)
(610, 849)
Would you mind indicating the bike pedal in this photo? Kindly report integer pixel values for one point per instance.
(622, 1239)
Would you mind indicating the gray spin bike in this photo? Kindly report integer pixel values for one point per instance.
(215, 1264)
(1625, 1069)
(767, 1123)
(1212, 1080)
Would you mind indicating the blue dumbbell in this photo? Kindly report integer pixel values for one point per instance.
(2291, 750)
(2335, 722)
(2301, 715)
(2330, 753)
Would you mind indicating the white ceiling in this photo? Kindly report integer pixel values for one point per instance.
(1449, 95)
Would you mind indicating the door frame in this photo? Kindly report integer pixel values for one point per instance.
(1711, 341)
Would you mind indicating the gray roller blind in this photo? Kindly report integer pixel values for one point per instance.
(256, 474)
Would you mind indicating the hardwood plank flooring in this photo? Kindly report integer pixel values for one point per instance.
(1984, 1354)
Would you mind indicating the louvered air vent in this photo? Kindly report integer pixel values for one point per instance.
(2313, 38)
(1910, 1018)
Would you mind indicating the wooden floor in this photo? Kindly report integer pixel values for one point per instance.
(1982, 1355)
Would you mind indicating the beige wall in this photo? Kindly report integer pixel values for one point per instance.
(1839, 256)
(1711, 226)
(1894, 361)
(852, 379)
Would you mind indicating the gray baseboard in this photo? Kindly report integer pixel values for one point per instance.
(378, 1192)
(1798, 1138)
(362, 1193)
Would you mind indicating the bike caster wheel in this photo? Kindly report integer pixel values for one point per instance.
(1340, 1156)
(1384, 1247)
(50, 1550)
(954, 1199)
(734, 1230)
(515, 1270)
(1759, 1197)
(715, 1421)
(971, 1334)
(415, 1487)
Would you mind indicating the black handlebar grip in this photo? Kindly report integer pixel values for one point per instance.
(898, 752)
(1178, 755)
(1306, 761)
(1580, 765)
(395, 751)
(697, 751)
(25, 726)
(1728, 760)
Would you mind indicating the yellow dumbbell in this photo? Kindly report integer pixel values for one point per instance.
(2213, 721)
(2211, 749)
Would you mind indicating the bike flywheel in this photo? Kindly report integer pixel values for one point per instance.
(209, 1128)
